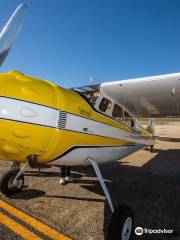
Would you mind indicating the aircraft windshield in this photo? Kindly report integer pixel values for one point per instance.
(91, 93)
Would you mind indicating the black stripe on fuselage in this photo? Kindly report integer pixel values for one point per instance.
(89, 146)
(92, 134)
(22, 100)
(36, 124)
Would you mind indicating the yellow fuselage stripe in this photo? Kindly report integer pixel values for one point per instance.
(17, 228)
(41, 227)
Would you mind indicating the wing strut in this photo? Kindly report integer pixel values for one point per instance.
(101, 180)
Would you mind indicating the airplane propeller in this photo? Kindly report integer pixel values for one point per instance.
(10, 31)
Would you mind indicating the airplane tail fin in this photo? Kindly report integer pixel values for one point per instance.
(151, 126)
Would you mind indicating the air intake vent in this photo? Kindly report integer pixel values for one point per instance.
(62, 120)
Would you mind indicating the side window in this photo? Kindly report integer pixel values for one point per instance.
(117, 113)
(126, 116)
(128, 119)
(105, 105)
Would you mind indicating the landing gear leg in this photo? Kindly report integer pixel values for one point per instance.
(12, 181)
(151, 148)
(15, 165)
(101, 180)
(122, 221)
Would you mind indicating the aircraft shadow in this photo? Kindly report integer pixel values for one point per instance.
(76, 198)
(28, 194)
(37, 173)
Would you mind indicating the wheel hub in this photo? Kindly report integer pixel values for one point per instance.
(16, 185)
(127, 228)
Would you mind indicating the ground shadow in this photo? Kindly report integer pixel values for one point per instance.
(28, 194)
(37, 173)
(76, 198)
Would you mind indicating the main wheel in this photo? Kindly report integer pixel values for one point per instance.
(121, 224)
(7, 187)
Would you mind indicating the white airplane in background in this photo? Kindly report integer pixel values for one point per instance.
(44, 124)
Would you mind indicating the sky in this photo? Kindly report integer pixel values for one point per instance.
(69, 41)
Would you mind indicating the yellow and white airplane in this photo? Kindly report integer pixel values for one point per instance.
(43, 123)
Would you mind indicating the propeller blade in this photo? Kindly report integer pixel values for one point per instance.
(10, 31)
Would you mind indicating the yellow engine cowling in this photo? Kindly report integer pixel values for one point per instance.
(19, 136)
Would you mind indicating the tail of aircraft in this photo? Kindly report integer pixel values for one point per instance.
(151, 126)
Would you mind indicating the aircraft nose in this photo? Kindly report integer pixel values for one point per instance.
(29, 117)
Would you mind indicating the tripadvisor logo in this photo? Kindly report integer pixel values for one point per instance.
(139, 231)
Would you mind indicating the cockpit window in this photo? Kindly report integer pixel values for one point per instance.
(90, 93)
(105, 105)
(117, 113)
(92, 97)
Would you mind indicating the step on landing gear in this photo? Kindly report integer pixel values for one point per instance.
(121, 225)
(12, 181)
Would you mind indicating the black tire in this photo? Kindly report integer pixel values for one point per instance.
(121, 216)
(6, 186)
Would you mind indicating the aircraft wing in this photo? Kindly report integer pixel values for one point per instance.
(156, 96)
